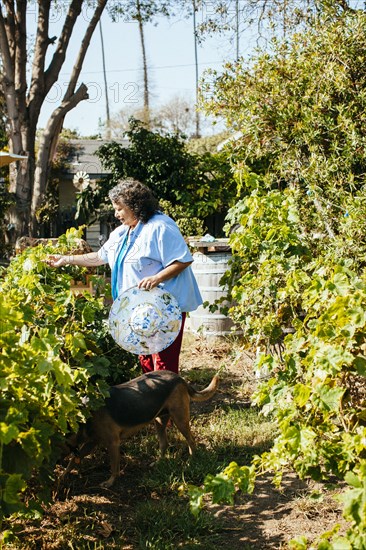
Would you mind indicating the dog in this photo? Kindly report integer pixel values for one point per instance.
(156, 396)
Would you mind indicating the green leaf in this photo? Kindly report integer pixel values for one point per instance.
(299, 543)
(88, 314)
(341, 283)
(196, 495)
(352, 479)
(76, 342)
(14, 485)
(353, 504)
(360, 365)
(301, 394)
(292, 437)
(221, 487)
(330, 397)
(243, 476)
(8, 432)
(341, 543)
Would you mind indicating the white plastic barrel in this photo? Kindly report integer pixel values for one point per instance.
(208, 270)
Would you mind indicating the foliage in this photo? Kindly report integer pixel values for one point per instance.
(57, 361)
(298, 263)
(299, 111)
(264, 19)
(142, 10)
(186, 223)
(267, 271)
(201, 184)
(316, 391)
(176, 116)
(143, 492)
(207, 144)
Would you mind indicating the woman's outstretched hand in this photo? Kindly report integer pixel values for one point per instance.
(56, 260)
(91, 259)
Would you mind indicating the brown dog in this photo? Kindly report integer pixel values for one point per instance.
(157, 396)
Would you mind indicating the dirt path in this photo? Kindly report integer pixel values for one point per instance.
(269, 518)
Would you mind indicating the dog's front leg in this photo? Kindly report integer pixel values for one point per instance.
(161, 424)
(114, 454)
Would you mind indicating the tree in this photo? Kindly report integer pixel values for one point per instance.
(300, 113)
(299, 289)
(120, 121)
(176, 116)
(202, 184)
(24, 102)
(264, 18)
(143, 11)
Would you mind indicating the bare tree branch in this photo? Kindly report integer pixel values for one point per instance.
(51, 74)
(41, 45)
(261, 18)
(8, 83)
(84, 47)
(21, 53)
(78, 66)
(5, 45)
(47, 140)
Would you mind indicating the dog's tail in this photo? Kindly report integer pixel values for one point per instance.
(205, 394)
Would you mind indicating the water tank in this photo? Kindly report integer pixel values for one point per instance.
(208, 269)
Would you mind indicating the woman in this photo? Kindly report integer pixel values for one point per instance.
(146, 250)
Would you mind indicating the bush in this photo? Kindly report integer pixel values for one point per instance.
(299, 254)
(57, 362)
(198, 184)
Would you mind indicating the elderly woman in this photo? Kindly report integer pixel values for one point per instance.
(146, 250)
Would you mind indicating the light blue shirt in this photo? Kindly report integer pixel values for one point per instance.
(151, 247)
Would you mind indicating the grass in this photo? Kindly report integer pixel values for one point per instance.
(168, 524)
(144, 509)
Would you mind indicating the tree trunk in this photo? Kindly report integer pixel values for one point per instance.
(198, 129)
(42, 169)
(29, 178)
(144, 65)
(55, 123)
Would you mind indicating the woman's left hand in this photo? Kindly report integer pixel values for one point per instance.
(169, 272)
(148, 283)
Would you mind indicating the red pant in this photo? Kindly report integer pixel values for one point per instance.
(168, 359)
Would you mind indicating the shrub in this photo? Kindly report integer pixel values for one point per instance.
(57, 361)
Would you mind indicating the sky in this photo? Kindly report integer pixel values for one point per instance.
(170, 49)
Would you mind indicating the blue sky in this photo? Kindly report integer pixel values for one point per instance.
(170, 48)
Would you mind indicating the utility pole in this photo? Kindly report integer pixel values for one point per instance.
(108, 119)
(198, 131)
(144, 61)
